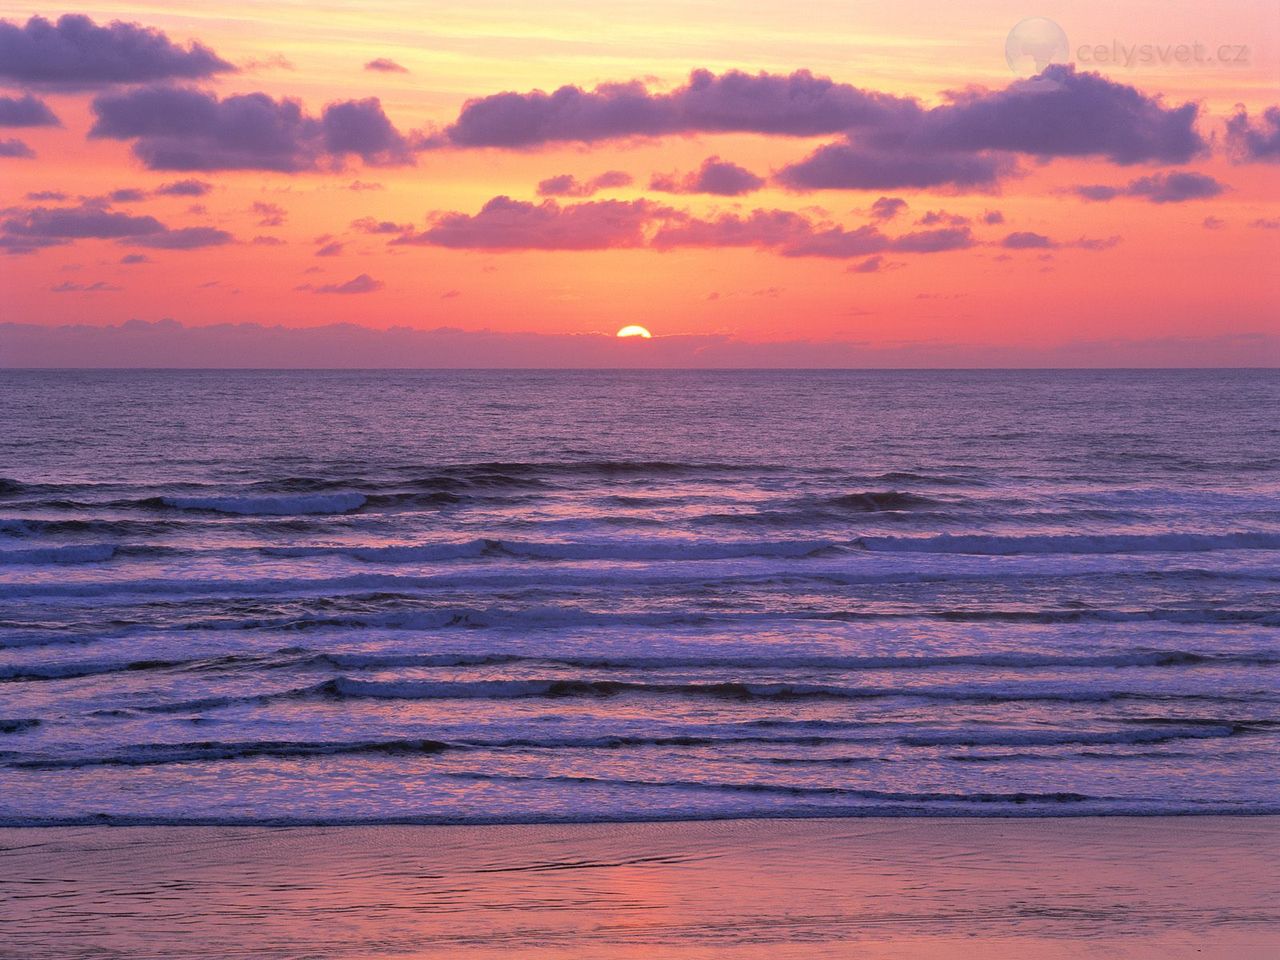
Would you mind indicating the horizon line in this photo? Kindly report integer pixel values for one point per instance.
(672, 369)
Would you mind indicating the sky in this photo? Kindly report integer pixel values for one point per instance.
(259, 182)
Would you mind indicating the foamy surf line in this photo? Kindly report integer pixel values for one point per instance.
(348, 687)
(69, 669)
(687, 550)
(161, 754)
(978, 809)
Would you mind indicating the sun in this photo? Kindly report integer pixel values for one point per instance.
(635, 331)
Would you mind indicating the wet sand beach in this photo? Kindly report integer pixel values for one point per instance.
(872, 888)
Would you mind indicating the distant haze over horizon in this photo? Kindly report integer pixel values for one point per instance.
(171, 345)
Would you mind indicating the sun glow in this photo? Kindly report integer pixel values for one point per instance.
(634, 330)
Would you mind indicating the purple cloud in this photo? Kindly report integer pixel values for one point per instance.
(1027, 240)
(886, 208)
(331, 249)
(15, 149)
(1061, 113)
(361, 284)
(611, 179)
(567, 185)
(992, 217)
(19, 245)
(760, 228)
(384, 65)
(1097, 192)
(272, 214)
(183, 238)
(184, 188)
(970, 142)
(1098, 243)
(798, 104)
(563, 185)
(134, 194)
(77, 223)
(26, 112)
(1258, 143)
(76, 54)
(182, 129)
(934, 241)
(372, 225)
(935, 217)
(27, 230)
(715, 176)
(845, 166)
(1176, 187)
(889, 142)
(793, 235)
(130, 259)
(838, 242)
(506, 224)
(869, 265)
(99, 286)
(360, 127)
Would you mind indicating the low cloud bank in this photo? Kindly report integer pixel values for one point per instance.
(167, 343)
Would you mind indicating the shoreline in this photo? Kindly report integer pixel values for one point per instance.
(1033, 887)
(123, 823)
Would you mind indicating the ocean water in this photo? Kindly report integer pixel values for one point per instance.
(364, 597)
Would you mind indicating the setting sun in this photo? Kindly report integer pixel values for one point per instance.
(634, 330)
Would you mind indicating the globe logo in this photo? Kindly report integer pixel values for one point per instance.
(1035, 43)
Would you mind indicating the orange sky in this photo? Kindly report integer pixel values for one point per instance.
(1168, 274)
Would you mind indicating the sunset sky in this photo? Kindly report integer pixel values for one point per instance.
(874, 175)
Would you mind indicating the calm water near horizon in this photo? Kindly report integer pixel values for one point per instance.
(361, 597)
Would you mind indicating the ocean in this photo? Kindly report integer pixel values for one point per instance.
(301, 597)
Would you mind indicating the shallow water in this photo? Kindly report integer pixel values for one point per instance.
(302, 597)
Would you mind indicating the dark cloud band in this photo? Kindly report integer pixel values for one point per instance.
(76, 54)
(175, 128)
